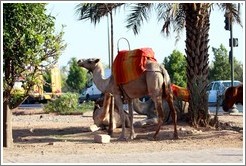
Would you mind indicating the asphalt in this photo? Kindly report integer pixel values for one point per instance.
(223, 156)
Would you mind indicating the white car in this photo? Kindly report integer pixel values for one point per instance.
(91, 92)
(216, 88)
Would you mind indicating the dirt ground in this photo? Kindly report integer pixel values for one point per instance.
(37, 133)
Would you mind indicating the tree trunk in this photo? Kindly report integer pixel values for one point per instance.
(197, 27)
(111, 109)
(7, 125)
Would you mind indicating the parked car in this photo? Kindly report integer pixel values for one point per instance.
(217, 88)
(90, 94)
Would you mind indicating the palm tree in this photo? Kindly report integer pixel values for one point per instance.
(94, 12)
(194, 17)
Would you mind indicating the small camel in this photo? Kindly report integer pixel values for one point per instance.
(101, 113)
(154, 82)
(181, 102)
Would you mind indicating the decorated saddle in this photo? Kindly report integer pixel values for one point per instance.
(180, 93)
(130, 64)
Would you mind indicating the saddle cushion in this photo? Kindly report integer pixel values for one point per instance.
(129, 65)
(180, 93)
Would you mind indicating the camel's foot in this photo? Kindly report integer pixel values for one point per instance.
(157, 131)
(146, 122)
(133, 136)
(122, 138)
(155, 136)
(175, 136)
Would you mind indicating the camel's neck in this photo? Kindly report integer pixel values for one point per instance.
(98, 78)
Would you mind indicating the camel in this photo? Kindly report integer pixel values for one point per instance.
(101, 113)
(181, 102)
(154, 82)
(232, 95)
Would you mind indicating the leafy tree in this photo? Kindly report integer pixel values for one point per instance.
(238, 70)
(29, 46)
(76, 79)
(220, 69)
(64, 85)
(176, 67)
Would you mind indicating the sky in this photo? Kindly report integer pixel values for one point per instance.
(85, 40)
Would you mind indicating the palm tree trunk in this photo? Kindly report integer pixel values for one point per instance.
(197, 27)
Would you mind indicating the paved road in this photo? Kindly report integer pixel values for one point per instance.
(31, 106)
(223, 155)
(238, 106)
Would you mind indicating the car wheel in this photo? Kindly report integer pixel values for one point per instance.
(87, 98)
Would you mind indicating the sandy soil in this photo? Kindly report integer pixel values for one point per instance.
(54, 135)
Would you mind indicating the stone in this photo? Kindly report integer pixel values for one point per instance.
(93, 128)
(102, 138)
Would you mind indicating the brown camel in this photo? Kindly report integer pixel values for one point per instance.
(232, 95)
(155, 82)
(101, 113)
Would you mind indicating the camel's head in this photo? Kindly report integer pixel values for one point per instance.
(90, 64)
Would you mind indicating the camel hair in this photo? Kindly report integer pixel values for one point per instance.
(154, 82)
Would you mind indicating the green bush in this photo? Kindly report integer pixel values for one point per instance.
(67, 104)
(17, 96)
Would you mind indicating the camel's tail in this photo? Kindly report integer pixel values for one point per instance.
(164, 91)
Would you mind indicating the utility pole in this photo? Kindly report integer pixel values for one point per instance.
(233, 42)
(111, 58)
(109, 43)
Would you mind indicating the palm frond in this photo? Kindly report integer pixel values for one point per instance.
(163, 11)
(232, 9)
(172, 14)
(95, 11)
(138, 13)
(179, 22)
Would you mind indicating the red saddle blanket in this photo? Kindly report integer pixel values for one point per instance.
(129, 65)
(180, 92)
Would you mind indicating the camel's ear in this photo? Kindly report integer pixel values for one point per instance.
(97, 60)
(93, 60)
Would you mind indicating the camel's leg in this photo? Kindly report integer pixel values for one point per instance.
(169, 99)
(130, 107)
(107, 112)
(106, 105)
(111, 116)
(119, 104)
(159, 107)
